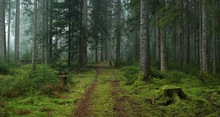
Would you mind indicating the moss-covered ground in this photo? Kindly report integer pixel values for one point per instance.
(57, 104)
(117, 91)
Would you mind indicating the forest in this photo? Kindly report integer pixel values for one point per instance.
(109, 58)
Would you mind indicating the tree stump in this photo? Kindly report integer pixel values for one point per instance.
(170, 95)
(63, 78)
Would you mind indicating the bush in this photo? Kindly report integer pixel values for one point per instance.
(131, 74)
(4, 68)
(27, 81)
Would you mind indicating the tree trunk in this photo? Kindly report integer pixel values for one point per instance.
(17, 30)
(102, 50)
(50, 41)
(204, 38)
(162, 43)
(214, 41)
(144, 40)
(157, 42)
(84, 32)
(137, 45)
(9, 26)
(2, 29)
(181, 36)
(163, 49)
(44, 32)
(188, 33)
(69, 39)
(96, 49)
(34, 47)
(118, 33)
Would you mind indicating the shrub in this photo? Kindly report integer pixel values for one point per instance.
(4, 68)
(27, 81)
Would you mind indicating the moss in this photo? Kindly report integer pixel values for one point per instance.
(102, 104)
(173, 93)
(39, 104)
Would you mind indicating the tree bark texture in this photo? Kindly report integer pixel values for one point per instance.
(2, 29)
(17, 30)
(144, 40)
(204, 38)
(34, 46)
(118, 33)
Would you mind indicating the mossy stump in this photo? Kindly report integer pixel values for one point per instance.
(169, 95)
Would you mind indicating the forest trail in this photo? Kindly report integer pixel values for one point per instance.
(103, 97)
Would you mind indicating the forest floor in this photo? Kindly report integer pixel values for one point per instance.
(103, 91)
(105, 96)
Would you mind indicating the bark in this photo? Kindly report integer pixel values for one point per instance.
(144, 40)
(102, 51)
(34, 47)
(204, 38)
(2, 29)
(163, 49)
(181, 36)
(188, 34)
(157, 42)
(17, 30)
(214, 41)
(106, 49)
(69, 38)
(96, 49)
(50, 42)
(162, 44)
(200, 37)
(44, 32)
(137, 45)
(84, 32)
(118, 33)
(9, 26)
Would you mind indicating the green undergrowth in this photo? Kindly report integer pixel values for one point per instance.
(174, 93)
(42, 94)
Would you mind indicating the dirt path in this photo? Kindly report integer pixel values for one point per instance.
(84, 105)
(102, 98)
(118, 102)
(83, 109)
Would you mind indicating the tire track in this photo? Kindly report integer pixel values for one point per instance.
(84, 109)
(119, 108)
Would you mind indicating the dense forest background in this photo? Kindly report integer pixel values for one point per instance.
(180, 33)
(158, 42)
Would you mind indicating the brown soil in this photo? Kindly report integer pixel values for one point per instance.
(119, 107)
(83, 109)
(84, 105)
